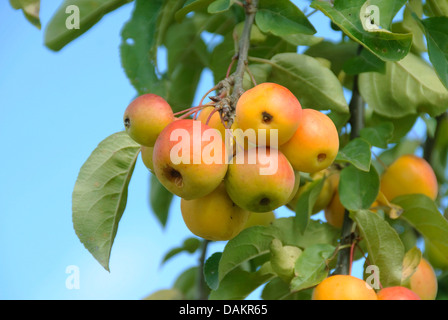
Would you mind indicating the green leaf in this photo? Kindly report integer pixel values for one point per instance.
(218, 6)
(410, 25)
(187, 283)
(189, 245)
(408, 87)
(238, 284)
(365, 62)
(436, 30)
(281, 18)
(305, 204)
(356, 152)
(336, 53)
(422, 213)
(187, 56)
(211, 270)
(100, 194)
(436, 8)
(384, 247)
(358, 189)
(314, 85)
(378, 136)
(191, 6)
(401, 126)
(30, 8)
(138, 46)
(160, 200)
(277, 289)
(311, 267)
(58, 35)
(352, 17)
(255, 242)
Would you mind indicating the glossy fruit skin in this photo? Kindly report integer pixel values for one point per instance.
(335, 211)
(315, 143)
(397, 293)
(260, 219)
(343, 287)
(145, 117)
(257, 192)
(409, 174)
(146, 154)
(188, 179)
(214, 217)
(269, 106)
(424, 281)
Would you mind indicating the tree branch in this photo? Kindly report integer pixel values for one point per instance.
(356, 121)
(202, 286)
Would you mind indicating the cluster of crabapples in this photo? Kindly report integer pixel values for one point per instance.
(231, 176)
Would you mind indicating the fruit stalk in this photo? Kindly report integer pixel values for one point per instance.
(356, 107)
(202, 292)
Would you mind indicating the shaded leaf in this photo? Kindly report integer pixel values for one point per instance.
(384, 247)
(356, 152)
(314, 85)
(311, 267)
(211, 270)
(436, 30)
(378, 136)
(305, 204)
(410, 263)
(408, 87)
(358, 189)
(100, 194)
(189, 245)
(422, 213)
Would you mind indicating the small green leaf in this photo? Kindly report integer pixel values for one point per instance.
(311, 267)
(218, 6)
(160, 200)
(422, 213)
(314, 85)
(281, 18)
(378, 136)
(356, 152)
(358, 189)
(305, 204)
(436, 8)
(100, 194)
(238, 284)
(58, 34)
(436, 30)
(354, 18)
(384, 247)
(187, 283)
(189, 245)
(255, 242)
(31, 10)
(211, 270)
(277, 289)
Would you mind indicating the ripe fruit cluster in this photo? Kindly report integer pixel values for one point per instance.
(221, 184)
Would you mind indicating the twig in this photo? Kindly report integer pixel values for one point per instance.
(356, 107)
(202, 286)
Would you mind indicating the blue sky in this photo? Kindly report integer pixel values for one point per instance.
(56, 108)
